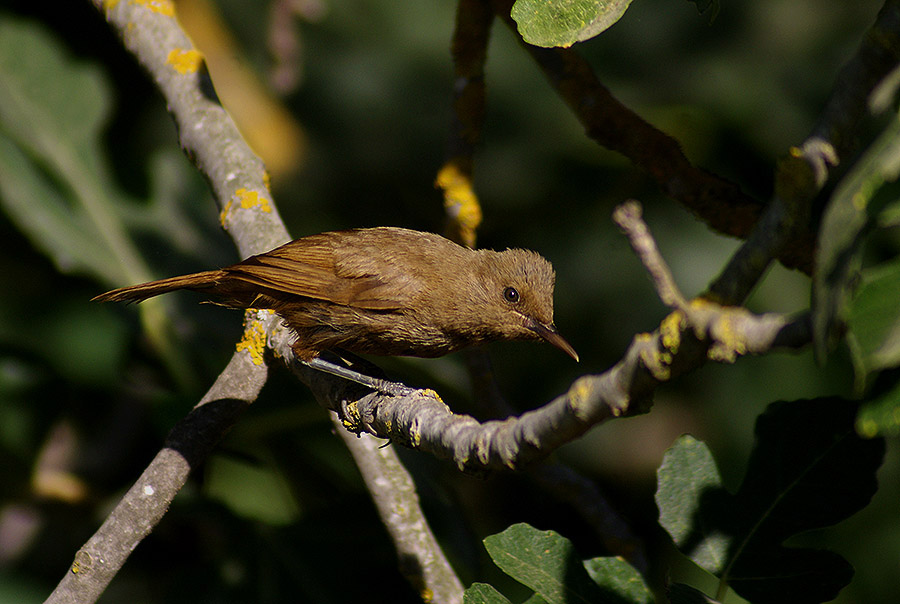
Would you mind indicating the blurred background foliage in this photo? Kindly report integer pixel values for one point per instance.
(349, 101)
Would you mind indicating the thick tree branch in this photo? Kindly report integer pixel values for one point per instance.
(685, 340)
(145, 503)
(208, 135)
(210, 138)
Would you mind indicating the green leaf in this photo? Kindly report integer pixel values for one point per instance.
(851, 212)
(482, 593)
(563, 22)
(67, 237)
(547, 563)
(679, 593)
(809, 469)
(620, 578)
(874, 319)
(55, 183)
(51, 111)
(688, 478)
(250, 490)
(880, 415)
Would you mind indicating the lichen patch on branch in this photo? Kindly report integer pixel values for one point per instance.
(185, 60)
(254, 338)
(163, 7)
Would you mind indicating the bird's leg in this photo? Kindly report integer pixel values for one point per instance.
(342, 371)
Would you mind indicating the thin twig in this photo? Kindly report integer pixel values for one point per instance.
(628, 217)
(422, 561)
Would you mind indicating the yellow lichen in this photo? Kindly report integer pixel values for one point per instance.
(415, 437)
(578, 393)
(83, 562)
(350, 421)
(656, 363)
(109, 5)
(163, 7)
(432, 394)
(670, 331)
(254, 338)
(251, 199)
(185, 60)
(460, 200)
(223, 215)
(730, 343)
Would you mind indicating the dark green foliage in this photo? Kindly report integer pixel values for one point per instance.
(808, 470)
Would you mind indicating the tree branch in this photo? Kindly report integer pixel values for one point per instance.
(685, 340)
(801, 176)
(716, 201)
(422, 561)
(145, 503)
(206, 132)
(239, 183)
(469, 50)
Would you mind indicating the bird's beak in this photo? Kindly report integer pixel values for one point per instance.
(549, 333)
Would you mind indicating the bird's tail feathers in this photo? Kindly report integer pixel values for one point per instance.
(142, 291)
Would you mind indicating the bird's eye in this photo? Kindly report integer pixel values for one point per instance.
(511, 295)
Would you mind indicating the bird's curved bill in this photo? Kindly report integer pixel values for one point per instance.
(551, 335)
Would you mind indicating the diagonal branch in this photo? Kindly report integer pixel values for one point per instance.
(208, 135)
(714, 200)
(210, 138)
(686, 339)
(420, 557)
(145, 503)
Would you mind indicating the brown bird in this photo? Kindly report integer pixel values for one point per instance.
(383, 291)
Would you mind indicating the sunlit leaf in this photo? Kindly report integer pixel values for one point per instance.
(482, 593)
(565, 22)
(687, 481)
(874, 318)
(547, 563)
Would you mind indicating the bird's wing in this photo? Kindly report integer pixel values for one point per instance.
(306, 267)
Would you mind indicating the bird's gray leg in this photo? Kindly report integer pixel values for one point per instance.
(379, 384)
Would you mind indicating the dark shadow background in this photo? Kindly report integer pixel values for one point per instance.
(279, 513)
